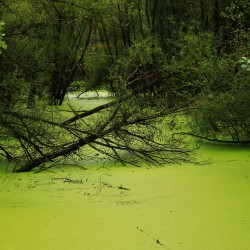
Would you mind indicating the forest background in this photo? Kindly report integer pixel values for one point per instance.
(158, 59)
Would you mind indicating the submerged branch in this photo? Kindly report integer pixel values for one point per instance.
(207, 138)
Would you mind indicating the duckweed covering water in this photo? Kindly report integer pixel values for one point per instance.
(190, 207)
(176, 207)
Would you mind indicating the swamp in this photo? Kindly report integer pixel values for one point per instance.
(124, 124)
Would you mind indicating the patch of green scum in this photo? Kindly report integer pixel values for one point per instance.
(77, 104)
(225, 152)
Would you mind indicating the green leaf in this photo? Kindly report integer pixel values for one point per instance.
(4, 46)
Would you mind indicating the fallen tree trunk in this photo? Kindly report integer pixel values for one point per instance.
(53, 155)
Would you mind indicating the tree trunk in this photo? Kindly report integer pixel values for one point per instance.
(216, 17)
(147, 14)
(204, 15)
(31, 95)
(153, 16)
(53, 155)
(140, 18)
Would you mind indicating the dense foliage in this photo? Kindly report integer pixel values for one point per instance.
(2, 43)
(157, 57)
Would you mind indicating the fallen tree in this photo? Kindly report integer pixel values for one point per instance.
(131, 128)
(128, 129)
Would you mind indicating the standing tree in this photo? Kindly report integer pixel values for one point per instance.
(48, 49)
(69, 32)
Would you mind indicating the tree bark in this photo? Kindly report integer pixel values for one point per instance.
(216, 17)
(204, 15)
(53, 155)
